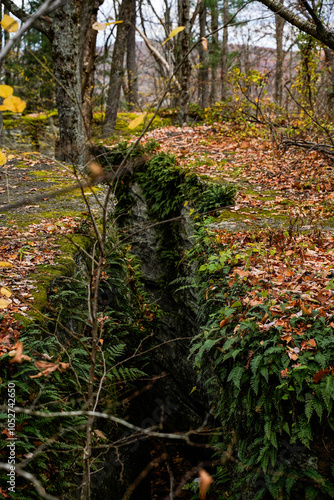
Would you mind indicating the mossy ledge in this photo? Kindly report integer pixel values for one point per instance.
(44, 276)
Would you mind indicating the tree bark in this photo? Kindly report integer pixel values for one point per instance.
(214, 54)
(185, 71)
(131, 62)
(203, 73)
(329, 58)
(116, 70)
(66, 28)
(67, 71)
(224, 51)
(316, 29)
(279, 27)
(88, 73)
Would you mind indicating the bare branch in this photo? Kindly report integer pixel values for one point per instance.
(319, 32)
(29, 21)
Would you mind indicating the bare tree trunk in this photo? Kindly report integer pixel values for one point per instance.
(203, 73)
(279, 25)
(214, 54)
(131, 63)
(67, 68)
(88, 77)
(224, 52)
(185, 71)
(6, 38)
(329, 57)
(116, 70)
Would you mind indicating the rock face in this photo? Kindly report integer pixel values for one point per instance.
(171, 402)
(179, 307)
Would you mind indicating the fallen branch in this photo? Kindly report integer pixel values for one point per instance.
(325, 149)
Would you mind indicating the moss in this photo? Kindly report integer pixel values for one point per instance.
(45, 274)
(21, 164)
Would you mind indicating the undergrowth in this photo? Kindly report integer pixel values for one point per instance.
(275, 408)
(51, 448)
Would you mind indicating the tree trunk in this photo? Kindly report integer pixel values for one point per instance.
(131, 63)
(224, 52)
(116, 70)
(214, 54)
(203, 73)
(67, 66)
(185, 71)
(329, 57)
(88, 73)
(279, 25)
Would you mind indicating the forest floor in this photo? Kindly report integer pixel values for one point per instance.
(285, 198)
(282, 224)
(36, 238)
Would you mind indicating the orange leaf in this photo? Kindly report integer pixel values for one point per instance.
(223, 322)
(205, 481)
(321, 374)
(204, 43)
(305, 310)
(18, 354)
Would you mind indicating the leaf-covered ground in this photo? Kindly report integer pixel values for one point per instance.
(280, 231)
(31, 235)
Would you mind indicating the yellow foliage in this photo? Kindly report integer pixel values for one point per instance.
(9, 24)
(13, 103)
(3, 159)
(102, 26)
(137, 121)
(6, 91)
(173, 33)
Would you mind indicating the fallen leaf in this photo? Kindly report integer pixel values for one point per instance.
(4, 303)
(99, 434)
(47, 368)
(5, 291)
(4, 263)
(305, 310)
(321, 374)
(223, 322)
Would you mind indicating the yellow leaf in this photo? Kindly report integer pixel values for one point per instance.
(102, 26)
(13, 103)
(9, 24)
(4, 263)
(4, 303)
(6, 90)
(173, 33)
(4, 291)
(3, 158)
(137, 121)
(204, 43)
